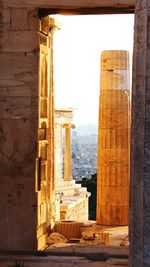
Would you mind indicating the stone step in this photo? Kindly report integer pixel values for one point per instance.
(73, 191)
(63, 188)
(70, 192)
(63, 182)
(65, 185)
(69, 202)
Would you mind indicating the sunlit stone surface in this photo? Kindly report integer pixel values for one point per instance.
(71, 199)
(113, 140)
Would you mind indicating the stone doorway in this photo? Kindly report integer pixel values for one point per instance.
(76, 19)
(27, 116)
(19, 47)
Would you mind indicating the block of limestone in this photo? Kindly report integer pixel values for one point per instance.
(113, 139)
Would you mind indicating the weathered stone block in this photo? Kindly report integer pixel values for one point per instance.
(20, 90)
(19, 74)
(120, 117)
(18, 107)
(56, 238)
(5, 20)
(33, 19)
(140, 62)
(20, 143)
(19, 19)
(3, 91)
(16, 237)
(116, 99)
(19, 41)
(114, 60)
(16, 194)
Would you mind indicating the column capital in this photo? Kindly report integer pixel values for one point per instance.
(68, 125)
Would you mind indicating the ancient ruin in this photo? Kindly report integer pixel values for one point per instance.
(71, 198)
(23, 222)
(114, 140)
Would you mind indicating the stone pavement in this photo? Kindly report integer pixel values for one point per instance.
(82, 256)
(61, 261)
(74, 255)
(54, 261)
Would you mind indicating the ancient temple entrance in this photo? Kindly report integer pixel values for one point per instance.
(46, 183)
(45, 161)
(115, 81)
(31, 132)
(20, 120)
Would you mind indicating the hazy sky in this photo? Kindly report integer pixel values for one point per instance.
(77, 47)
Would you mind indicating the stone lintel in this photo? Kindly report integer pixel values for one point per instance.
(63, 4)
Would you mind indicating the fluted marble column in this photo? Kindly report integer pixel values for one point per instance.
(113, 140)
(67, 152)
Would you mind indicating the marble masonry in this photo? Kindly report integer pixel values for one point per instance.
(71, 198)
(113, 139)
(25, 45)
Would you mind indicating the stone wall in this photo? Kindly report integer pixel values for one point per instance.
(18, 127)
(140, 140)
(77, 212)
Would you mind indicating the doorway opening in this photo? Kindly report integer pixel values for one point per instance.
(66, 82)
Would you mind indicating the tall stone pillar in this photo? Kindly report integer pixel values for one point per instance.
(140, 140)
(67, 153)
(113, 140)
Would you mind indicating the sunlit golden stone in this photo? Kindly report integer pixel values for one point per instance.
(113, 140)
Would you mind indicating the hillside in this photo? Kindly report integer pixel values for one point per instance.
(86, 129)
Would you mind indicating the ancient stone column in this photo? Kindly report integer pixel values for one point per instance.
(113, 140)
(67, 152)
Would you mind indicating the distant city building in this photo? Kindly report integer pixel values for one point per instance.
(84, 155)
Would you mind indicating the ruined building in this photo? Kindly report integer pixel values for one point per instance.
(71, 198)
(27, 198)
